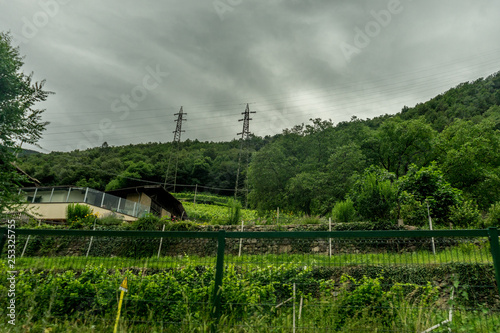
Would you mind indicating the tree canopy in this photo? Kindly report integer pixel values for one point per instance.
(20, 121)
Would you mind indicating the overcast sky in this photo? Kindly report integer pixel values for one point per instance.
(121, 69)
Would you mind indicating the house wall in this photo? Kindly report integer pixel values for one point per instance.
(141, 198)
(57, 211)
(165, 213)
(133, 197)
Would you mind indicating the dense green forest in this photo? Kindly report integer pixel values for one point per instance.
(442, 155)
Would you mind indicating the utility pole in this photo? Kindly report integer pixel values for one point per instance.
(176, 142)
(245, 135)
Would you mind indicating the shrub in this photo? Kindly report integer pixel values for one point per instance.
(148, 222)
(374, 194)
(181, 226)
(234, 207)
(80, 216)
(428, 184)
(361, 298)
(344, 211)
(412, 211)
(77, 211)
(465, 215)
(493, 216)
(369, 301)
(111, 219)
(310, 220)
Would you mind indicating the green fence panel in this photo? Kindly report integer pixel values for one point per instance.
(353, 281)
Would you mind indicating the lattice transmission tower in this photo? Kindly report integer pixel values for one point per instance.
(175, 146)
(245, 135)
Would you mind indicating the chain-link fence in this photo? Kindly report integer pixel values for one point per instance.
(393, 281)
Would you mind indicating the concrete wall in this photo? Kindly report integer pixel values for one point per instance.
(57, 211)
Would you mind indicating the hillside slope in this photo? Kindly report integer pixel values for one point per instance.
(310, 167)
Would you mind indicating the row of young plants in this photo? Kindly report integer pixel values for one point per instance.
(202, 198)
(82, 217)
(257, 298)
(217, 209)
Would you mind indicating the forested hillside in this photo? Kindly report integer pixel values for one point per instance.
(444, 153)
(204, 163)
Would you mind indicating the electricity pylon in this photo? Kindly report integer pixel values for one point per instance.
(245, 135)
(175, 143)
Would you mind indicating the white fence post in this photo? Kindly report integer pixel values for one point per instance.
(430, 226)
(330, 239)
(91, 239)
(161, 241)
(294, 308)
(241, 239)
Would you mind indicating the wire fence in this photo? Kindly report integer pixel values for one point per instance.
(353, 281)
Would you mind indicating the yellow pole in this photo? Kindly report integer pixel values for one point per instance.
(123, 288)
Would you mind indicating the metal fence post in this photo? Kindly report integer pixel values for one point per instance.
(219, 271)
(495, 253)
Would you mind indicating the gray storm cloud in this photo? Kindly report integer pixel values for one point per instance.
(293, 60)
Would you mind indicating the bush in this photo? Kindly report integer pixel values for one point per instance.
(493, 216)
(111, 219)
(465, 215)
(234, 207)
(181, 226)
(344, 211)
(80, 216)
(76, 211)
(309, 220)
(368, 300)
(374, 194)
(362, 298)
(148, 222)
(428, 184)
(412, 211)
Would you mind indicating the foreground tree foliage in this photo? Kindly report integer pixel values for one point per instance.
(20, 122)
